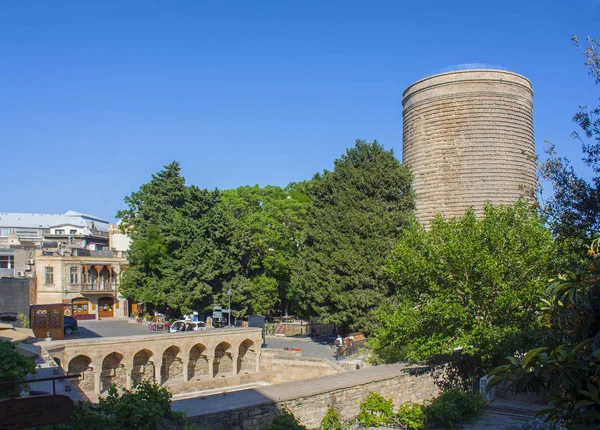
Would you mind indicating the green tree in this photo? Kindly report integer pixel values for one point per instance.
(573, 209)
(566, 367)
(470, 284)
(181, 251)
(13, 367)
(359, 210)
(268, 225)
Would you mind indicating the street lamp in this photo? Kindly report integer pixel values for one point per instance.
(229, 308)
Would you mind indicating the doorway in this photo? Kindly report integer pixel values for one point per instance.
(80, 307)
(105, 307)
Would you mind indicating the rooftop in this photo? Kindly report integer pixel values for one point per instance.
(29, 220)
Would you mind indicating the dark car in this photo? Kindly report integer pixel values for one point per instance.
(70, 324)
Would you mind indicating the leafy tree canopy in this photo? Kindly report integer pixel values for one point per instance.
(181, 248)
(359, 210)
(469, 283)
(268, 226)
(573, 210)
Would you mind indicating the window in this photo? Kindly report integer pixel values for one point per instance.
(59, 231)
(7, 262)
(49, 279)
(74, 278)
(72, 231)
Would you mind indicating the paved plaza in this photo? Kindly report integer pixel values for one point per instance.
(319, 348)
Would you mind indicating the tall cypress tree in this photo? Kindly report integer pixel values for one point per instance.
(358, 214)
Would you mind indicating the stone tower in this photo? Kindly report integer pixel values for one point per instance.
(468, 138)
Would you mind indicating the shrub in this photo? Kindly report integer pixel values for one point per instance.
(13, 367)
(285, 420)
(145, 407)
(331, 421)
(376, 410)
(410, 416)
(453, 407)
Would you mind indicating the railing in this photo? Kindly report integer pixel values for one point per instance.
(96, 287)
(10, 273)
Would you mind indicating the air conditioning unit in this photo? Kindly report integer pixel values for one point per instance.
(28, 268)
(483, 389)
(21, 274)
(30, 261)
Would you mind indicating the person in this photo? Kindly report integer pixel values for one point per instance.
(187, 318)
(339, 342)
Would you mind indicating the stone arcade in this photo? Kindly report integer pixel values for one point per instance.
(172, 359)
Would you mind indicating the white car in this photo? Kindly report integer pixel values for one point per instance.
(181, 326)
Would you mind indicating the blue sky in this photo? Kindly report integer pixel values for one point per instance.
(97, 96)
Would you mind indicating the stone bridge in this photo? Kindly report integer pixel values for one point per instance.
(171, 359)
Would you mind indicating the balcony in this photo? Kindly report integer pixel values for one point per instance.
(92, 288)
(7, 273)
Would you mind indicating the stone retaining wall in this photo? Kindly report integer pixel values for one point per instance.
(310, 409)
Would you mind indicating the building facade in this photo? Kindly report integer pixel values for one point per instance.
(74, 259)
(88, 281)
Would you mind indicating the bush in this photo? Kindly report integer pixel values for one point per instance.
(13, 367)
(145, 407)
(285, 420)
(331, 421)
(376, 410)
(453, 407)
(410, 416)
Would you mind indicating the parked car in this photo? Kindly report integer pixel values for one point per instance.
(70, 324)
(181, 325)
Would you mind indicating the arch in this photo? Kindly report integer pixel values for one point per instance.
(172, 365)
(246, 361)
(113, 371)
(198, 362)
(143, 367)
(223, 361)
(82, 364)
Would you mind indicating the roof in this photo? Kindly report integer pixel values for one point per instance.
(27, 220)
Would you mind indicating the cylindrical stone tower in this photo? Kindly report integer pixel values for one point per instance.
(468, 139)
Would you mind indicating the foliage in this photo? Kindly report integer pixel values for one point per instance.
(411, 416)
(23, 320)
(468, 285)
(573, 210)
(567, 367)
(13, 367)
(376, 410)
(285, 420)
(359, 210)
(453, 407)
(268, 224)
(146, 407)
(331, 420)
(181, 250)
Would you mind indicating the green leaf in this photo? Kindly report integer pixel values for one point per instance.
(532, 354)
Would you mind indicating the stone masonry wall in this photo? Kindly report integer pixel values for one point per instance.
(287, 367)
(311, 409)
(14, 296)
(468, 139)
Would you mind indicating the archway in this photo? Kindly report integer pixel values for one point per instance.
(143, 369)
(223, 364)
(82, 365)
(246, 361)
(172, 367)
(198, 363)
(113, 371)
